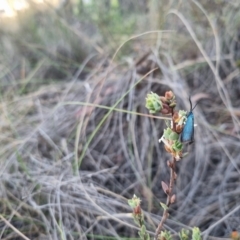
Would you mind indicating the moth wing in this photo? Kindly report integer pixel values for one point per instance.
(188, 129)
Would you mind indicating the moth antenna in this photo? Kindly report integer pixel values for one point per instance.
(195, 105)
(192, 108)
(190, 103)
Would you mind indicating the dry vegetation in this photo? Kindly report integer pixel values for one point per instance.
(68, 165)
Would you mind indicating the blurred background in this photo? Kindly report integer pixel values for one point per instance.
(73, 149)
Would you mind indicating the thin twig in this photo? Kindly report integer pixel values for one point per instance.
(13, 228)
(168, 202)
(172, 166)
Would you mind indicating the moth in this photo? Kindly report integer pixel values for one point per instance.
(188, 129)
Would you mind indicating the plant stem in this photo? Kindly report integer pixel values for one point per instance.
(172, 167)
(168, 202)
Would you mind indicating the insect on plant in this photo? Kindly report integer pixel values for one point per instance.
(181, 123)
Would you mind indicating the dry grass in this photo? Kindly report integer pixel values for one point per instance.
(54, 186)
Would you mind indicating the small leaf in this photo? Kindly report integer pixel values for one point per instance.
(177, 146)
(167, 132)
(173, 199)
(143, 233)
(175, 175)
(172, 105)
(164, 206)
(165, 187)
(173, 136)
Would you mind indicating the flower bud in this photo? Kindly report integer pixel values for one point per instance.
(165, 111)
(134, 202)
(153, 103)
(179, 128)
(175, 116)
(169, 95)
(137, 210)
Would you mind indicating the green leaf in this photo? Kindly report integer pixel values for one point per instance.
(173, 136)
(164, 206)
(167, 132)
(143, 233)
(177, 146)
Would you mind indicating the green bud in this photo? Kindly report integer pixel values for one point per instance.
(166, 235)
(182, 113)
(196, 234)
(134, 202)
(153, 103)
(183, 117)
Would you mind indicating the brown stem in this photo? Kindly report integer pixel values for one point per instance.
(172, 167)
(168, 202)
